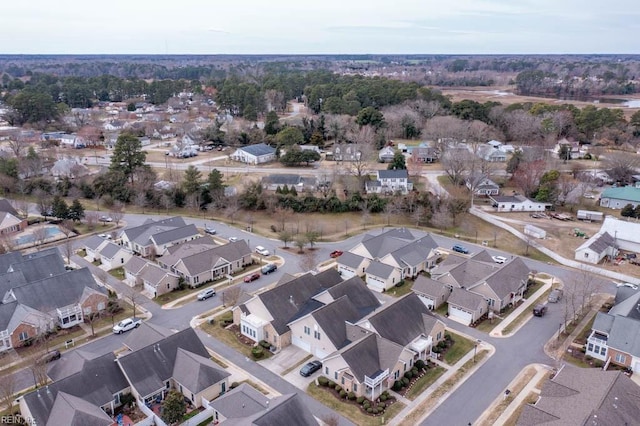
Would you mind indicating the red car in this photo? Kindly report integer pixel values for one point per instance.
(251, 277)
(336, 253)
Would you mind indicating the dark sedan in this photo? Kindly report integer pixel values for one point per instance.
(310, 368)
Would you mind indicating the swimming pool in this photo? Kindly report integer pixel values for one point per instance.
(49, 232)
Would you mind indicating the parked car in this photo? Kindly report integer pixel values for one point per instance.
(460, 249)
(233, 239)
(310, 368)
(205, 294)
(126, 325)
(336, 253)
(629, 285)
(555, 296)
(499, 259)
(263, 251)
(49, 356)
(251, 277)
(539, 310)
(105, 219)
(267, 269)
(209, 231)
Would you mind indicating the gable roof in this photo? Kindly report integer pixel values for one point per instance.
(483, 256)
(575, 396)
(145, 335)
(466, 299)
(430, 287)
(359, 295)
(390, 241)
(415, 252)
(599, 242)
(37, 268)
(9, 281)
(351, 260)
(110, 250)
(379, 269)
(150, 367)
(289, 407)
(196, 372)
(135, 265)
(58, 291)
(96, 383)
(331, 319)
(5, 206)
(140, 234)
(626, 303)
(205, 260)
(71, 363)
(8, 258)
(370, 356)
(258, 149)
(468, 273)
(153, 274)
(190, 247)
(240, 402)
(287, 299)
(509, 278)
(73, 411)
(626, 193)
(94, 242)
(393, 174)
(175, 234)
(624, 335)
(401, 321)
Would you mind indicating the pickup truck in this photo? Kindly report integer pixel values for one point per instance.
(126, 325)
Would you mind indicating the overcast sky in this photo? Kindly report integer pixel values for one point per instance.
(325, 26)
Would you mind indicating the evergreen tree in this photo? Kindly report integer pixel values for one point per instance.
(127, 155)
(191, 183)
(76, 211)
(59, 208)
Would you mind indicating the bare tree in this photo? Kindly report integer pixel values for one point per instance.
(17, 144)
(441, 218)
(390, 209)
(620, 166)
(8, 388)
(39, 235)
(22, 207)
(565, 185)
(528, 175)
(91, 219)
(308, 260)
(330, 420)
(456, 162)
(134, 297)
(230, 295)
(117, 212)
(418, 215)
(232, 209)
(362, 154)
(91, 319)
(283, 216)
(300, 242)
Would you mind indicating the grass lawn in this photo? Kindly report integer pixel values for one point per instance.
(106, 320)
(425, 381)
(402, 290)
(229, 338)
(350, 411)
(96, 262)
(442, 309)
(460, 348)
(118, 273)
(81, 252)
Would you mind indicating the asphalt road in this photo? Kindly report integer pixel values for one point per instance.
(512, 354)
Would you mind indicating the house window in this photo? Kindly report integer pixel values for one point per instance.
(603, 350)
(307, 330)
(439, 335)
(100, 306)
(24, 336)
(586, 255)
(196, 280)
(266, 335)
(335, 375)
(166, 385)
(316, 334)
(597, 349)
(620, 359)
(590, 347)
(326, 371)
(396, 374)
(342, 381)
(355, 387)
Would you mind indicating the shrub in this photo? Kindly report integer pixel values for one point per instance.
(323, 381)
(366, 405)
(420, 365)
(375, 410)
(360, 400)
(414, 371)
(408, 375)
(234, 385)
(442, 345)
(274, 229)
(338, 388)
(383, 397)
(265, 344)
(436, 350)
(381, 406)
(369, 410)
(597, 363)
(351, 396)
(405, 381)
(343, 394)
(588, 357)
(397, 385)
(448, 337)
(257, 352)
(331, 384)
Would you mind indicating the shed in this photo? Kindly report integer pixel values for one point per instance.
(535, 232)
(590, 215)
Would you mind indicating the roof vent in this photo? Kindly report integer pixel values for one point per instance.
(267, 404)
(291, 300)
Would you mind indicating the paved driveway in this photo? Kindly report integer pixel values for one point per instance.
(287, 358)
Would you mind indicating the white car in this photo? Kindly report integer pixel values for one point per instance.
(205, 294)
(126, 325)
(106, 219)
(263, 251)
(233, 239)
(630, 285)
(499, 259)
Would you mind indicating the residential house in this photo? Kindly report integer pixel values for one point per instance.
(466, 307)
(114, 125)
(201, 263)
(381, 277)
(266, 316)
(179, 361)
(389, 182)
(491, 154)
(617, 198)
(481, 185)
(352, 265)
(132, 270)
(300, 183)
(147, 334)
(113, 256)
(386, 154)
(157, 281)
(378, 246)
(93, 245)
(572, 146)
(314, 148)
(153, 237)
(10, 221)
(68, 168)
(88, 397)
(615, 335)
(517, 203)
(345, 152)
(322, 331)
(19, 324)
(73, 141)
(597, 248)
(584, 396)
(425, 154)
(65, 298)
(245, 405)
(431, 292)
(254, 154)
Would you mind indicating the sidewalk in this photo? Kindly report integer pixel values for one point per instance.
(451, 370)
(497, 330)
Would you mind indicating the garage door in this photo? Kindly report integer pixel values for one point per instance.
(427, 302)
(460, 315)
(346, 273)
(320, 353)
(375, 285)
(296, 341)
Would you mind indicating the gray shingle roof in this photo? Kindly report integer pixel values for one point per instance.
(626, 303)
(240, 402)
(359, 295)
(154, 274)
(350, 259)
(379, 269)
(576, 396)
(145, 335)
(482, 256)
(331, 319)
(370, 356)
(258, 149)
(624, 335)
(196, 372)
(175, 234)
(96, 383)
(383, 244)
(11, 280)
(429, 287)
(5, 206)
(205, 260)
(393, 174)
(73, 411)
(71, 363)
(93, 242)
(471, 272)
(601, 242)
(285, 300)
(282, 179)
(415, 252)
(135, 265)
(289, 407)
(141, 234)
(401, 321)
(58, 291)
(466, 299)
(509, 278)
(6, 313)
(8, 258)
(150, 367)
(38, 268)
(110, 250)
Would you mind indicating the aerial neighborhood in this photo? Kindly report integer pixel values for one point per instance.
(319, 240)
